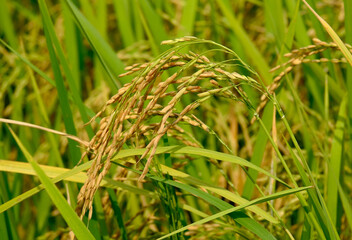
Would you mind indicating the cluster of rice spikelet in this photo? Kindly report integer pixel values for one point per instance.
(297, 57)
(148, 96)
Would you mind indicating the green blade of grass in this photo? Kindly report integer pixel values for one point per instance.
(3, 224)
(176, 150)
(309, 133)
(6, 24)
(259, 149)
(239, 216)
(154, 46)
(23, 169)
(73, 45)
(88, 11)
(193, 210)
(138, 28)
(106, 55)
(118, 213)
(45, 118)
(57, 174)
(348, 30)
(60, 202)
(69, 76)
(101, 17)
(7, 227)
(233, 209)
(102, 229)
(320, 207)
(334, 88)
(290, 35)
(321, 34)
(154, 23)
(189, 12)
(220, 191)
(316, 213)
(301, 36)
(315, 195)
(274, 19)
(334, 166)
(63, 97)
(317, 72)
(347, 205)
(23, 59)
(249, 47)
(122, 10)
(37, 70)
(135, 152)
(204, 153)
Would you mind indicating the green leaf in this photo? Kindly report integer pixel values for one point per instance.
(124, 22)
(6, 23)
(204, 153)
(249, 47)
(26, 61)
(105, 53)
(62, 92)
(188, 18)
(240, 217)
(71, 218)
(228, 211)
(259, 149)
(335, 163)
(57, 174)
(72, 82)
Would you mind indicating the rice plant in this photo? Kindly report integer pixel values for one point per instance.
(184, 132)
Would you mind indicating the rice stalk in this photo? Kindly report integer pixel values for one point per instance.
(147, 96)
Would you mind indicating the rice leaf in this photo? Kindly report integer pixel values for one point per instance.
(57, 174)
(238, 216)
(35, 69)
(228, 211)
(188, 18)
(346, 203)
(60, 202)
(249, 47)
(220, 191)
(122, 9)
(259, 149)
(62, 92)
(335, 164)
(200, 152)
(112, 65)
(6, 24)
(72, 82)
